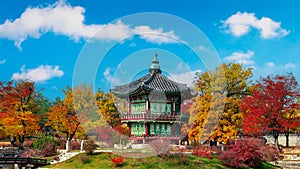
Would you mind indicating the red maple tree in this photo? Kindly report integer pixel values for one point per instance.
(272, 109)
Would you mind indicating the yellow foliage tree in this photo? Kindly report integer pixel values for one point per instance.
(107, 108)
(215, 115)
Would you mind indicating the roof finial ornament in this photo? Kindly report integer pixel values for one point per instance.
(155, 68)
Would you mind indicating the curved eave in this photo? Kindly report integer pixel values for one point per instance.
(137, 90)
(185, 94)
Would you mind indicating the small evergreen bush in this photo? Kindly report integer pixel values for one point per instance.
(89, 146)
(84, 159)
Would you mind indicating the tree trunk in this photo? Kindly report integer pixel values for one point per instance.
(67, 145)
(21, 140)
(13, 141)
(276, 135)
(81, 145)
(287, 134)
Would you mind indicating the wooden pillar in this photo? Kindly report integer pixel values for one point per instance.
(147, 128)
(173, 107)
(172, 130)
(147, 106)
(129, 128)
(129, 107)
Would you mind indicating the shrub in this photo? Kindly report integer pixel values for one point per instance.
(161, 147)
(89, 146)
(56, 158)
(42, 141)
(46, 144)
(103, 145)
(75, 145)
(180, 152)
(61, 144)
(202, 151)
(31, 153)
(28, 143)
(84, 159)
(48, 150)
(270, 153)
(118, 161)
(247, 152)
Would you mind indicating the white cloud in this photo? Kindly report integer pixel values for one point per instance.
(39, 74)
(201, 48)
(107, 74)
(187, 78)
(2, 61)
(64, 19)
(240, 57)
(240, 24)
(270, 64)
(109, 77)
(280, 67)
(289, 65)
(132, 45)
(54, 87)
(270, 68)
(179, 66)
(155, 35)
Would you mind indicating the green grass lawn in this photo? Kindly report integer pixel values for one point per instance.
(102, 161)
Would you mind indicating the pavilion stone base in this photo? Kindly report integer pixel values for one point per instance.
(140, 146)
(146, 140)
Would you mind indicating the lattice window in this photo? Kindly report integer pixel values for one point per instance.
(160, 108)
(138, 129)
(139, 108)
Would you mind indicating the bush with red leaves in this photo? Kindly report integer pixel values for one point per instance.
(202, 151)
(248, 152)
(118, 161)
(48, 150)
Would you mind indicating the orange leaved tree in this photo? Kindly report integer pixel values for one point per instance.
(17, 118)
(63, 118)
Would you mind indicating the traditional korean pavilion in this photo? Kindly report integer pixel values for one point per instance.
(153, 106)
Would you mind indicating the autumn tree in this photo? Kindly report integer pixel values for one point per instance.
(273, 107)
(17, 118)
(198, 117)
(220, 92)
(107, 108)
(63, 119)
(86, 106)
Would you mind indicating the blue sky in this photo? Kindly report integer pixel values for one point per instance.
(108, 43)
